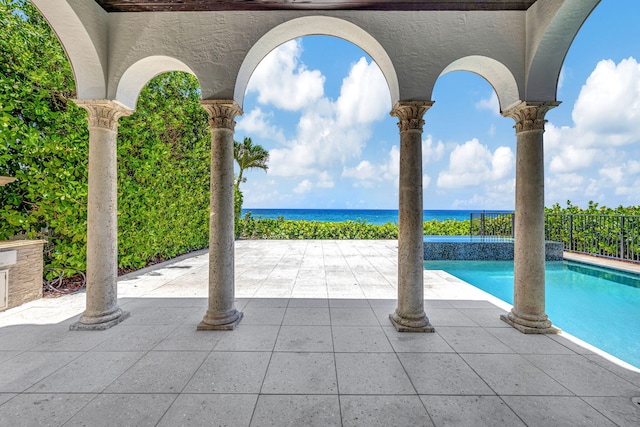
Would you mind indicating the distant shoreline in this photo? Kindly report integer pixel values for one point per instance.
(373, 216)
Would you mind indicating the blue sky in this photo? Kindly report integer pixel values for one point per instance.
(303, 105)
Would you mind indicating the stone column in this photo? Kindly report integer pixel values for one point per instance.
(102, 309)
(221, 313)
(409, 315)
(528, 313)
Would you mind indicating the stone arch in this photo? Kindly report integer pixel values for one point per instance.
(84, 46)
(550, 45)
(138, 74)
(496, 73)
(316, 25)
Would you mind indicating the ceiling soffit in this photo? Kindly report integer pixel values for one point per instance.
(265, 5)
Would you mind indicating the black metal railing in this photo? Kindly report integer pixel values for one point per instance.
(611, 236)
(492, 224)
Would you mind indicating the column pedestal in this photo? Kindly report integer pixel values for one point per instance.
(102, 311)
(409, 315)
(221, 313)
(528, 313)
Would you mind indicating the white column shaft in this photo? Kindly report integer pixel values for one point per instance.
(221, 312)
(528, 312)
(102, 309)
(409, 315)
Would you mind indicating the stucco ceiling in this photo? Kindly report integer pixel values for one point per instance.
(224, 5)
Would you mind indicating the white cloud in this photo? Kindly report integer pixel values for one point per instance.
(256, 123)
(591, 159)
(283, 81)
(431, 152)
(330, 134)
(325, 180)
(304, 186)
(613, 174)
(491, 103)
(366, 172)
(608, 106)
(364, 96)
(494, 196)
(473, 164)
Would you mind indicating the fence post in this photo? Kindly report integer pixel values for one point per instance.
(570, 232)
(482, 223)
(622, 248)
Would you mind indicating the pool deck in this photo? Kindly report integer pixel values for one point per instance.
(629, 267)
(315, 348)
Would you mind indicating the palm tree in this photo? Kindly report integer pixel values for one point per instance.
(248, 156)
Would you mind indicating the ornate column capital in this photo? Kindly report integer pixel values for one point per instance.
(222, 113)
(103, 113)
(410, 113)
(529, 115)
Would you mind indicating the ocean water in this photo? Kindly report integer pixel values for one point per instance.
(372, 216)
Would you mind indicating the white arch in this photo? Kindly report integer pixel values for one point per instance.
(553, 41)
(138, 74)
(84, 46)
(496, 73)
(315, 25)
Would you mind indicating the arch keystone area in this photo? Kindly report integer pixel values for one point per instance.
(495, 72)
(316, 25)
(137, 75)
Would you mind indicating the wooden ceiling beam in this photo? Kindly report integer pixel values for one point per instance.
(264, 5)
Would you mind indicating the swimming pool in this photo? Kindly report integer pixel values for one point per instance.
(599, 306)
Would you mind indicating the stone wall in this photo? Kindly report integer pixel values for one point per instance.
(23, 261)
(483, 250)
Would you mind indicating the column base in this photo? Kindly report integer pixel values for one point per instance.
(411, 325)
(529, 324)
(227, 324)
(101, 323)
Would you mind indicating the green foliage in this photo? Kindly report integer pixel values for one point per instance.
(247, 156)
(163, 173)
(163, 154)
(259, 228)
(449, 227)
(43, 139)
(596, 230)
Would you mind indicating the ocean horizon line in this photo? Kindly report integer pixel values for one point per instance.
(373, 216)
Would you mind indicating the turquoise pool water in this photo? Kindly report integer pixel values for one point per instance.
(599, 306)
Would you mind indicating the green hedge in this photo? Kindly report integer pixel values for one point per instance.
(163, 154)
(249, 227)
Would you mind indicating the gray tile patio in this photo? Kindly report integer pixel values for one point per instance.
(315, 348)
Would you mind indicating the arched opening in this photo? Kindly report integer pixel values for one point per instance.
(163, 172)
(139, 74)
(315, 25)
(320, 105)
(472, 161)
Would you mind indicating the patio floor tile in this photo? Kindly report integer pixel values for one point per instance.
(301, 373)
(297, 410)
(470, 411)
(372, 373)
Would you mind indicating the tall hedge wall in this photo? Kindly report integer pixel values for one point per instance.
(163, 158)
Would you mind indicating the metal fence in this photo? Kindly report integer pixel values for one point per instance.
(611, 236)
(492, 224)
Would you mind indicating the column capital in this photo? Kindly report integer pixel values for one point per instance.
(103, 113)
(222, 113)
(529, 115)
(410, 113)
